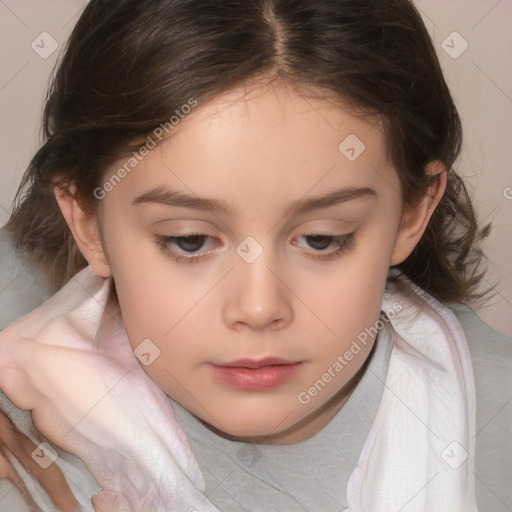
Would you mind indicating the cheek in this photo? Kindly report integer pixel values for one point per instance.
(146, 299)
(348, 297)
(153, 311)
(172, 325)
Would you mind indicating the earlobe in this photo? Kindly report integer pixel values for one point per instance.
(84, 228)
(415, 218)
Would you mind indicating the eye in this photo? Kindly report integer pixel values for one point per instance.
(186, 249)
(188, 246)
(320, 242)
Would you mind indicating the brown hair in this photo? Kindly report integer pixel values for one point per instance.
(130, 64)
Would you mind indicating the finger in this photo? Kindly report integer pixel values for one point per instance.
(8, 472)
(51, 478)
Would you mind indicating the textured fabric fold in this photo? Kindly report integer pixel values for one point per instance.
(419, 455)
(72, 365)
(89, 395)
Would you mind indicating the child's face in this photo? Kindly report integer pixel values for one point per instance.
(298, 300)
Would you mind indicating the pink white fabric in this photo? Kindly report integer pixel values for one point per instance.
(90, 396)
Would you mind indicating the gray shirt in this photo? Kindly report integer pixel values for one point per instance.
(311, 475)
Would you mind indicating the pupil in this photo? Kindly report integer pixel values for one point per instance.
(319, 242)
(191, 243)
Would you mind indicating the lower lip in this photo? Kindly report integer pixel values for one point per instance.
(255, 379)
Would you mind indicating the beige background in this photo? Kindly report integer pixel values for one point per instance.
(480, 79)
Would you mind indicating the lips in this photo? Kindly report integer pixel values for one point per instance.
(255, 374)
(255, 363)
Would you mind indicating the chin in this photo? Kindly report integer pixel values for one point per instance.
(247, 431)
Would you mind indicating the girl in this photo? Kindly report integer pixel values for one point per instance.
(250, 224)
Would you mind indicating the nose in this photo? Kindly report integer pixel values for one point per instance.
(257, 297)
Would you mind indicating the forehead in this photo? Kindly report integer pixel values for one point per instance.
(262, 111)
(266, 141)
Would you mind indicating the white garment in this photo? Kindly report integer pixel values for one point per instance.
(419, 454)
(74, 368)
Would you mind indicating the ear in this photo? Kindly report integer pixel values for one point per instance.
(415, 218)
(85, 229)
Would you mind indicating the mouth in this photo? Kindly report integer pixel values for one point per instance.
(255, 375)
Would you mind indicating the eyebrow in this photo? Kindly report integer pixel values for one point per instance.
(177, 199)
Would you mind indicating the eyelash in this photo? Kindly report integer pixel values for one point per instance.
(345, 243)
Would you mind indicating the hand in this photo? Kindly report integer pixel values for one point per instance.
(51, 479)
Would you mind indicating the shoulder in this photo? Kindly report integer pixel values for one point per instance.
(491, 355)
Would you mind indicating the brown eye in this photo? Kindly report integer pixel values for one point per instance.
(190, 243)
(321, 242)
(183, 249)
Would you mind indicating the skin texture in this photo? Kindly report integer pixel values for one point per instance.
(258, 150)
(15, 444)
